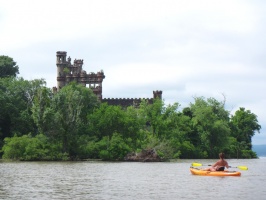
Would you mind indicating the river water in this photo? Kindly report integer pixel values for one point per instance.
(125, 180)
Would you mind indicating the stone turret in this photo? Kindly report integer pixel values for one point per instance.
(157, 94)
(61, 63)
(66, 72)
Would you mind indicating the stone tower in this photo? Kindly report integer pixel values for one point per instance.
(61, 65)
(157, 94)
(66, 72)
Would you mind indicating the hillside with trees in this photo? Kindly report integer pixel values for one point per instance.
(37, 124)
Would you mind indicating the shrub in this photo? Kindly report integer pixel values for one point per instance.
(28, 148)
(118, 148)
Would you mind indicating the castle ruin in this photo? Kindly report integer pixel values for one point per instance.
(67, 72)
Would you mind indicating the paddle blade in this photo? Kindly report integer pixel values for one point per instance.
(196, 164)
(243, 167)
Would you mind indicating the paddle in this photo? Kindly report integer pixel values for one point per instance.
(239, 167)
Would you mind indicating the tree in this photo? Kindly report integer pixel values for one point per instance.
(67, 114)
(153, 115)
(8, 67)
(211, 121)
(40, 109)
(244, 124)
(106, 120)
(193, 134)
(16, 96)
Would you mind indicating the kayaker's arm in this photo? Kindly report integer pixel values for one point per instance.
(227, 166)
(215, 164)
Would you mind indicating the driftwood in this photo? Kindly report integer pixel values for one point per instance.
(148, 155)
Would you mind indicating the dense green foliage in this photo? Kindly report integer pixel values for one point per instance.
(36, 124)
(16, 98)
(8, 67)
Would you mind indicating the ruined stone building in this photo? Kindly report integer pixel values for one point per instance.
(68, 72)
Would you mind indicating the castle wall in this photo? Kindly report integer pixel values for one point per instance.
(68, 72)
(123, 102)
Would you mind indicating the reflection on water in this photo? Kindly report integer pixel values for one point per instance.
(123, 180)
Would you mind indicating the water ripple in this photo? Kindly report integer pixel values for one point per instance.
(122, 180)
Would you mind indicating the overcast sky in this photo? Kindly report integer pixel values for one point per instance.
(186, 48)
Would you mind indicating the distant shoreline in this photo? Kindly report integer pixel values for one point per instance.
(260, 150)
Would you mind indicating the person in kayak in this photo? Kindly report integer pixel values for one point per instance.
(219, 165)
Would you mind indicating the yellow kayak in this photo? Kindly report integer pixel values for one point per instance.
(196, 171)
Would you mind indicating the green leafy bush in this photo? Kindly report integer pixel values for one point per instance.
(27, 147)
(14, 148)
(118, 148)
(248, 154)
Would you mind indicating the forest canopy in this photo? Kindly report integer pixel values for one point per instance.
(37, 124)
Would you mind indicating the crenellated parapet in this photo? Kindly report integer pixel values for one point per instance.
(125, 102)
